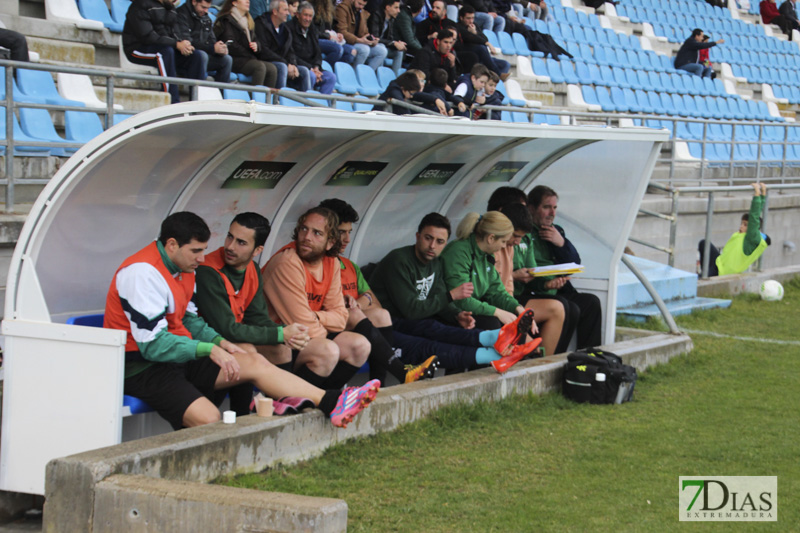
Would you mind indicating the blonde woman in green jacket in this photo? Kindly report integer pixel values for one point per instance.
(471, 259)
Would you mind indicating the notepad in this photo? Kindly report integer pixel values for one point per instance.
(563, 269)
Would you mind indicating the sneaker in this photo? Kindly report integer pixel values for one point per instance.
(513, 332)
(352, 401)
(518, 354)
(424, 371)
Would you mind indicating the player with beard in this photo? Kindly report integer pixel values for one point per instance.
(303, 285)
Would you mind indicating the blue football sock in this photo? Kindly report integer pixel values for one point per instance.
(488, 337)
(484, 356)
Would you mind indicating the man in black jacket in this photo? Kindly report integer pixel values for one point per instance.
(275, 42)
(305, 43)
(474, 40)
(438, 55)
(788, 10)
(194, 25)
(688, 58)
(381, 25)
(149, 37)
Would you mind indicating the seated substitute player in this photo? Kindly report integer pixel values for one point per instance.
(745, 246)
(303, 284)
(230, 299)
(365, 314)
(175, 362)
(409, 282)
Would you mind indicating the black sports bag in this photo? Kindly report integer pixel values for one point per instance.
(596, 376)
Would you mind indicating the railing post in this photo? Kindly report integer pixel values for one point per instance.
(109, 101)
(703, 152)
(672, 156)
(758, 160)
(707, 243)
(673, 227)
(10, 139)
(733, 151)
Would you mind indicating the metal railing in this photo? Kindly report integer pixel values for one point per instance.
(672, 218)
(767, 131)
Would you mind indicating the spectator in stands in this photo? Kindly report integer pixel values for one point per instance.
(351, 21)
(475, 41)
(688, 57)
(537, 10)
(16, 44)
(788, 10)
(493, 97)
(438, 54)
(469, 90)
(771, 15)
(303, 284)
(471, 259)
(597, 4)
(293, 5)
(405, 28)
(381, 25)
(275, 42)
(549, 312)
(437, 20)
(551, 246)
(332, 44)
(230, 299)
(437, 86)
(236, 27)
(148, 38)
(409, 282)
(486, 17)
(305, 43)
(195, 25)
(366, 316)
(175, 362)
(745, 246)
(404, 88)
(537, 41)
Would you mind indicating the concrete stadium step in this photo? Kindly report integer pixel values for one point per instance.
(56, 50)
(677, 288)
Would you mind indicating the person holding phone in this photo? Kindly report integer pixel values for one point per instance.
(195, 26)
(236, 29)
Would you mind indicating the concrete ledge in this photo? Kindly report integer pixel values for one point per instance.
(749, 282)
(254, 444)
(139, 503)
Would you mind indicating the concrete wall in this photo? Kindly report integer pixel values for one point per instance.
(783, 219)
(95, 491)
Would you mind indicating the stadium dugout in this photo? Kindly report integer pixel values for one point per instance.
(63, 383)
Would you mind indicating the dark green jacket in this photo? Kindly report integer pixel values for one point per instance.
(411, 289)
(404, 30)
(463, 262)
(214, 306)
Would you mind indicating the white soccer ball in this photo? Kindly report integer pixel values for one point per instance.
(771, 291)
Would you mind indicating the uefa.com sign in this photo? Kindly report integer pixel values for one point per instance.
(728, 498)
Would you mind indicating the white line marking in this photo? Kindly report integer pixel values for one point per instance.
(738, 338)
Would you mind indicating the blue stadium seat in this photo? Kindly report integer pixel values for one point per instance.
(365, 105)
(20, 138)
(82, 126)
(617, 58)
(554, 71)
(346, 106)
(604, 100)
(506, 43)
(620, 77)
(568, 69)
(119, 8)
(36, 123)
(643, 102)
(644, 80)
(385, 77)
(539, 66)
(493, 40)
(368, 81)
(97, 10)
(585, 53)
(520, 45)
(668, 103)
(40, 84)
(288, 102)
(235, 94)
(656, 103)
(600, 56)
(619, 99)
(681, 107)
(346, 81)
(589, 95)
(579, 35)
(633, 79)
(608, 77)
(119, 117)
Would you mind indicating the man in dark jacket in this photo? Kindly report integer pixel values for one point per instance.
(438, 54)
(474, 40)
(406, 87)
(687, 58)
(305, 43)
(194, 25)
(405, 28)
(486, 17)
(276, 47)
(381, 25)
(788, 10)
(150, 38)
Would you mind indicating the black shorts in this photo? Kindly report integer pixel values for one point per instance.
(171, 388)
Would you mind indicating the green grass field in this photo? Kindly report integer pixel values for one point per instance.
(533, 463)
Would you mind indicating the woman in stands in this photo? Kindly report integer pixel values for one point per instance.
(471, 259)
(330, 42)
(235, 27)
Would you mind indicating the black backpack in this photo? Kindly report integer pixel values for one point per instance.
(582, 384)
